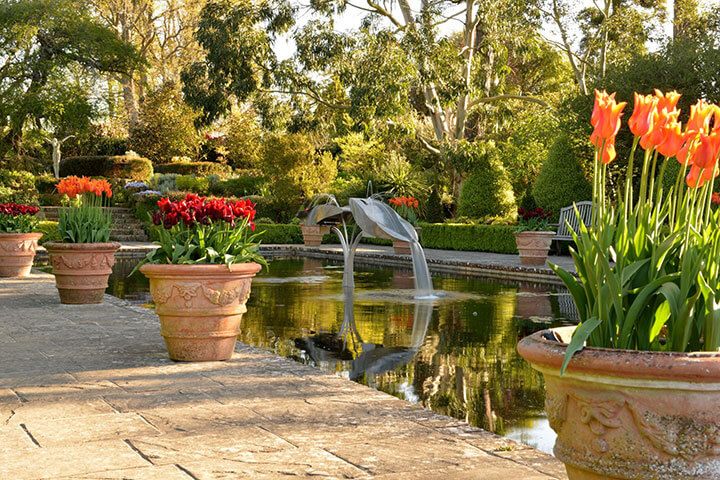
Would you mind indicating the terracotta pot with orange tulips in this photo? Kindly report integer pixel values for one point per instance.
(18, 241)
(633, 390)
(83, 261)
(407, 208)
(201, 273)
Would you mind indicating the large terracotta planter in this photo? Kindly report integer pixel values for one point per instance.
(623, 414)
(200, 307)
(81, 270)
(17, 252)
(533, 246)
(313, 234)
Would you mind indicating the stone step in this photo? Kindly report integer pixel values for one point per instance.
(129, 238)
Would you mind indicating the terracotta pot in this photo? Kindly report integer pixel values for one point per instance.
(81, 270)
(623, 414)
(533, 246)
(200, 307)
(401, 248)
(313, 234)
(17, 252)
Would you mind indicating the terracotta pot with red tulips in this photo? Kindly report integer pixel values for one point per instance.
(18, 240)
(201, 273)
(83, 261)
(533, 236)
(407, 208)
(633, 390)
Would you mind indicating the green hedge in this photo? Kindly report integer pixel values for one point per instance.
(118, 166)
(194, 168)
(276, 233)
(476, 238)
(240, 186)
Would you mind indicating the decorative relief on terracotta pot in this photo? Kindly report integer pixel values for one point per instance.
(216, 296)
(678, 436)
(674, 435)
(535, 243)
(224, 298)
(79, 262)
(27, 246)
(555, 406)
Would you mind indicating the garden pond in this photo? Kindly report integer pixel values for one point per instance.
(455, 355)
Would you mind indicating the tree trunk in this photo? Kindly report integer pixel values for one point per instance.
(468, 51)
(129, 99)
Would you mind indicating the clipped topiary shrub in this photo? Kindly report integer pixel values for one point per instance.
(191, 183)
(434, 212)
(487, 191)
(195, 168)
(561, 180)
(118, 166)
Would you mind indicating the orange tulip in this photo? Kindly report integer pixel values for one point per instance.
(657, 135)
(644, 114)
(697, 177)
(686, 154)
(605, 117)
(700, 114)
(608, 153)
(667, 101)
(707, 151)
(673, 139)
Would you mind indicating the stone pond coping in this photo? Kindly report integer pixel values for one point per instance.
(495, 265)
(87, 391)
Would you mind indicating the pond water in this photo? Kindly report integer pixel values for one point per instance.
(454, 355)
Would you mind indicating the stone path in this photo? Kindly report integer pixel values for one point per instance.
(87, 392)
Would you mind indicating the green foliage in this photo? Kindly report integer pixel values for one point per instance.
(85, 220)
(194, 168)
(50, 231)
(294, 169)
(398, 178)
(243, 139)
(17, 187)
(45, 183)
(346, 188)
(487, 191)
(165, 127)
(191, 183)
(122, 166)
(477, 238)
(358, 156)
(18, 222)
(280, 211)
(526, 146)
(561, 180)
(242, 186)
(279, 233)
(48, 41)
(164, 182)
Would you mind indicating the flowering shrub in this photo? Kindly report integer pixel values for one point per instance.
(533, 220)
(407, 208)
(205, 230)
(16, 218)
(648, 267)
(83, 219)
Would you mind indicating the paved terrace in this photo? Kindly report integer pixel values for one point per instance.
(88, 392)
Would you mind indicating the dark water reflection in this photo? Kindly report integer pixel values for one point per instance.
(455, 356)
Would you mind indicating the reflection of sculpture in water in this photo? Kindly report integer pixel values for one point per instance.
(374, 219)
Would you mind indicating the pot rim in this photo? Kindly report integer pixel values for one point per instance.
(81, 246)
(536, 232)
(547, 356)
(36, 235)
(199, 269)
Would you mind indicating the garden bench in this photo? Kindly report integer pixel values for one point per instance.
(569, 220)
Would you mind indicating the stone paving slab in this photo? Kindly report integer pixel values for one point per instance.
(88, 392)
